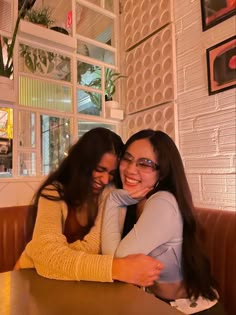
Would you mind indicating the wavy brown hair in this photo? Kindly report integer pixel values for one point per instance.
(195, 265)
(73, 178)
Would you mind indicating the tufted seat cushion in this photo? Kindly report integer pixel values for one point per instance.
(218, 233)
(219, 240)
(14, 235)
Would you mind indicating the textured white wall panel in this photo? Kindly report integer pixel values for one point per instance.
(206, 124)
(143, 17)
(160, 117)
(149, 42)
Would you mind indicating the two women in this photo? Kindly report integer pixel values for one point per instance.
(153, 215)
(66, 237)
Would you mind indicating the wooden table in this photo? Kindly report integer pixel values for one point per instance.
(23, 292)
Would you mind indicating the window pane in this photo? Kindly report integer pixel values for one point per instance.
(109, 5)
(94, 25)
(26, 163)
(95, 52)
(55, 136)
(44, 63)
(84, 126)
(5, 157)
(89, 103)
(86, 73)
(6, 122)
(6, 134)
(42, 94)
(26, 129)
(6, 16)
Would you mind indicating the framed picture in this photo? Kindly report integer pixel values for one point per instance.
(221, 66)
(216, 11)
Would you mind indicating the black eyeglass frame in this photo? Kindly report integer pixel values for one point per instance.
(126, 157)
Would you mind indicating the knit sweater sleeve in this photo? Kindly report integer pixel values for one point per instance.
(52, 257)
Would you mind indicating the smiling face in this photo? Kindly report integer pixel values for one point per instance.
(104, 172)
(138, 167)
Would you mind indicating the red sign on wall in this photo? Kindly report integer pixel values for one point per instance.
(69, 19)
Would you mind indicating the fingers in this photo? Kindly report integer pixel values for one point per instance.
(149, 281)
(138, 269)
(153, 274)
(159, 265)
(140, 193)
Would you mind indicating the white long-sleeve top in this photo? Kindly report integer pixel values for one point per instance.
(158, 231)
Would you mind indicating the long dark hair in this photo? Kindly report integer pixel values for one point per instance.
(195, 265)
(73, 178)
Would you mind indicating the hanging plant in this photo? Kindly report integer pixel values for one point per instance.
(6, 63)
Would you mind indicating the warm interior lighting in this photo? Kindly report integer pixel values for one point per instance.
(6, 123)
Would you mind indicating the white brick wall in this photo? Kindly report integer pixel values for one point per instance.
(207, 128)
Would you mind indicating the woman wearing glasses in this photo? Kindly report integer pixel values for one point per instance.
(153, 215)
(67, 232)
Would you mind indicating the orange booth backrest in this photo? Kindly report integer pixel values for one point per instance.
(219, 241)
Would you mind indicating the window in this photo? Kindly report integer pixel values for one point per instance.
(57, 100)
(55, 139)
(6, 142)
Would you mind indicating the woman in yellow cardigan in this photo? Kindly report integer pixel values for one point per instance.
(67, 231)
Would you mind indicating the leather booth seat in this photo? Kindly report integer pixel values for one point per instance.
(218, 234)
(13, 235)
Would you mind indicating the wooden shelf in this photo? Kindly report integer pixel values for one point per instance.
(46, 36)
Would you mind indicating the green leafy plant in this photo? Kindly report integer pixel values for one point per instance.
(110, 82)
(6, 66)
(95, 98)
(45, 62)
(40, 15)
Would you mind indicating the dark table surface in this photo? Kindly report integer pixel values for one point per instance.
(24, 292)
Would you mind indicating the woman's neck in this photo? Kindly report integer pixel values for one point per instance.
(87, 210)
(82, 215)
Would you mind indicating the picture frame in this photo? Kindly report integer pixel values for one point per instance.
(216, 11)
(221, 66)
(5, 146)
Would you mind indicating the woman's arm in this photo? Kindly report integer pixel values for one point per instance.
(157, 224)
(111, 230)
(50, 254)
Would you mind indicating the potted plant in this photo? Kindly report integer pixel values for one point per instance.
(6, 61)
(41, 16)
(112, 107)
(110, 82)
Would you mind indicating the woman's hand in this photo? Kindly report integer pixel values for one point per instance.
(137, 269)
(140, 193)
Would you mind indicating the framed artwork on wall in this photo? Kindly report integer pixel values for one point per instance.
(216, 11)
(221, 66)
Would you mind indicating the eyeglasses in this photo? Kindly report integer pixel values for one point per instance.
(142, 164)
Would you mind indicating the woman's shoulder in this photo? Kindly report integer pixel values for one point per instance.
(53, 192)
(53, 189)
(106, 191)
(165, 196)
